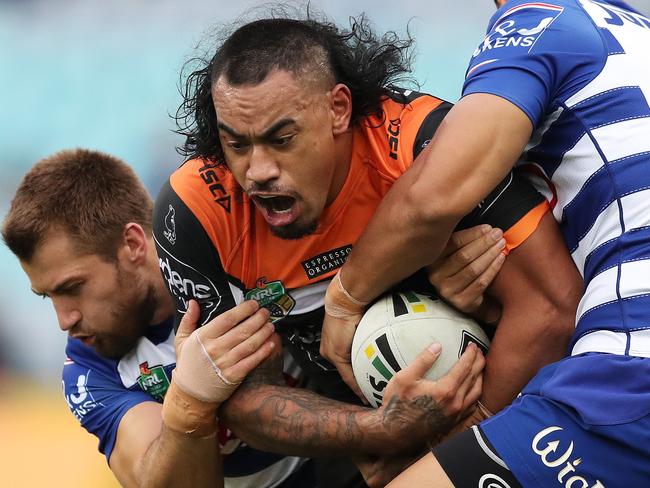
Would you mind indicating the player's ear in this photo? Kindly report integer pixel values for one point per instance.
(341, 106)
(133, 246)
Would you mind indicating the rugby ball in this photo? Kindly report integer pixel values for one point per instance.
(397, 327)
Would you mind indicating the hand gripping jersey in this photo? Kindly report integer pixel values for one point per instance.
(579, 69)
(100, 391)
(215, 247)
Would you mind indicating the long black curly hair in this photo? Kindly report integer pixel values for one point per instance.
(368, 63)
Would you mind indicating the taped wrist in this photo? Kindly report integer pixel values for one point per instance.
(198, 375)
(186, 415)
(338, 301)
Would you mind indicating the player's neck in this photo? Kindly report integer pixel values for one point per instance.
(164, 304)
(343, 158)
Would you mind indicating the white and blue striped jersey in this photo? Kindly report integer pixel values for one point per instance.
(580, 70)
(100, 391)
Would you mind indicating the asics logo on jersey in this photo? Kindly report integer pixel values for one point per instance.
(492, 481)
(393, 134)
(170, 226)
(567, 468)
(211, 179)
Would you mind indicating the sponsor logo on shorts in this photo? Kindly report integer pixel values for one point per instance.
(153, 380)
(556, 455)
(329, 260)
(491, 480)
(170, 226)
(272, 296)
(81, 402)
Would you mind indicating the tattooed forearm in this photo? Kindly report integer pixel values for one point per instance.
(270, 416)
(421, 412)
(299, 422)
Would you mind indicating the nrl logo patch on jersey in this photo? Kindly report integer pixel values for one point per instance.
(153, 381)
(272, 296)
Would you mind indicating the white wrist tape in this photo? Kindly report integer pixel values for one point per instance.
(215, 368)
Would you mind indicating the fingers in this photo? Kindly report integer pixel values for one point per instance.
(480, 272)
(345, 370)
(241, 345)
(422, 363)
(463, 375)
(234, 336)
(240, 369)
(226, 344)
(336, 345)
(463, 237)
(472, 254)
(189, 320)
(222, 323)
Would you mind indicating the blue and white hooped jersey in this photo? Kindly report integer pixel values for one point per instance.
(100, 391)
(591, 144)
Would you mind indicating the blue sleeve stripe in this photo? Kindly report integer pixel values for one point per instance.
(631, 246)
(625, 177)
(608, 315)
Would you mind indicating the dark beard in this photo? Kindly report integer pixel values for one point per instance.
(294, 231)
(135, 319)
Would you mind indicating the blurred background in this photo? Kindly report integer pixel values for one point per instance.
(104, 75)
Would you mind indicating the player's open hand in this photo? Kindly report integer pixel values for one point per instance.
(213, 360)
(342, 315)
(467, 266)
(417, 406)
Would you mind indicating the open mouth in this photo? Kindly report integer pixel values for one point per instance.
(278, 210)
(278, 204)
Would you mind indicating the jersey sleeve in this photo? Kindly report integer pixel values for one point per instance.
(189, 263)
(514, 206)
(97, 398)
(429, 127)
(535, 53)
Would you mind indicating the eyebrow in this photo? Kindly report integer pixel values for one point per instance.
(58, 289)
(280, 124)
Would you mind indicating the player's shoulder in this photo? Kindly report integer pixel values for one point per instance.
(556, 25)
(85, 373)
(200, 197)
(199, 182)
(398, 102)
(80, 358)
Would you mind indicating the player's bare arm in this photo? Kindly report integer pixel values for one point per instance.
(452, 175)
(539, 288)
(175, 444)
(270, 416)
(538, 281)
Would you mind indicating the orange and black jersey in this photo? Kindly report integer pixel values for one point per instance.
(215, 247)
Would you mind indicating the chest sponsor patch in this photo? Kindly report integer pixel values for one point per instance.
(327, 261)
(272, 296)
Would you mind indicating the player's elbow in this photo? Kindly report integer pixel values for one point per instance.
(432, 207)
(554, 319)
